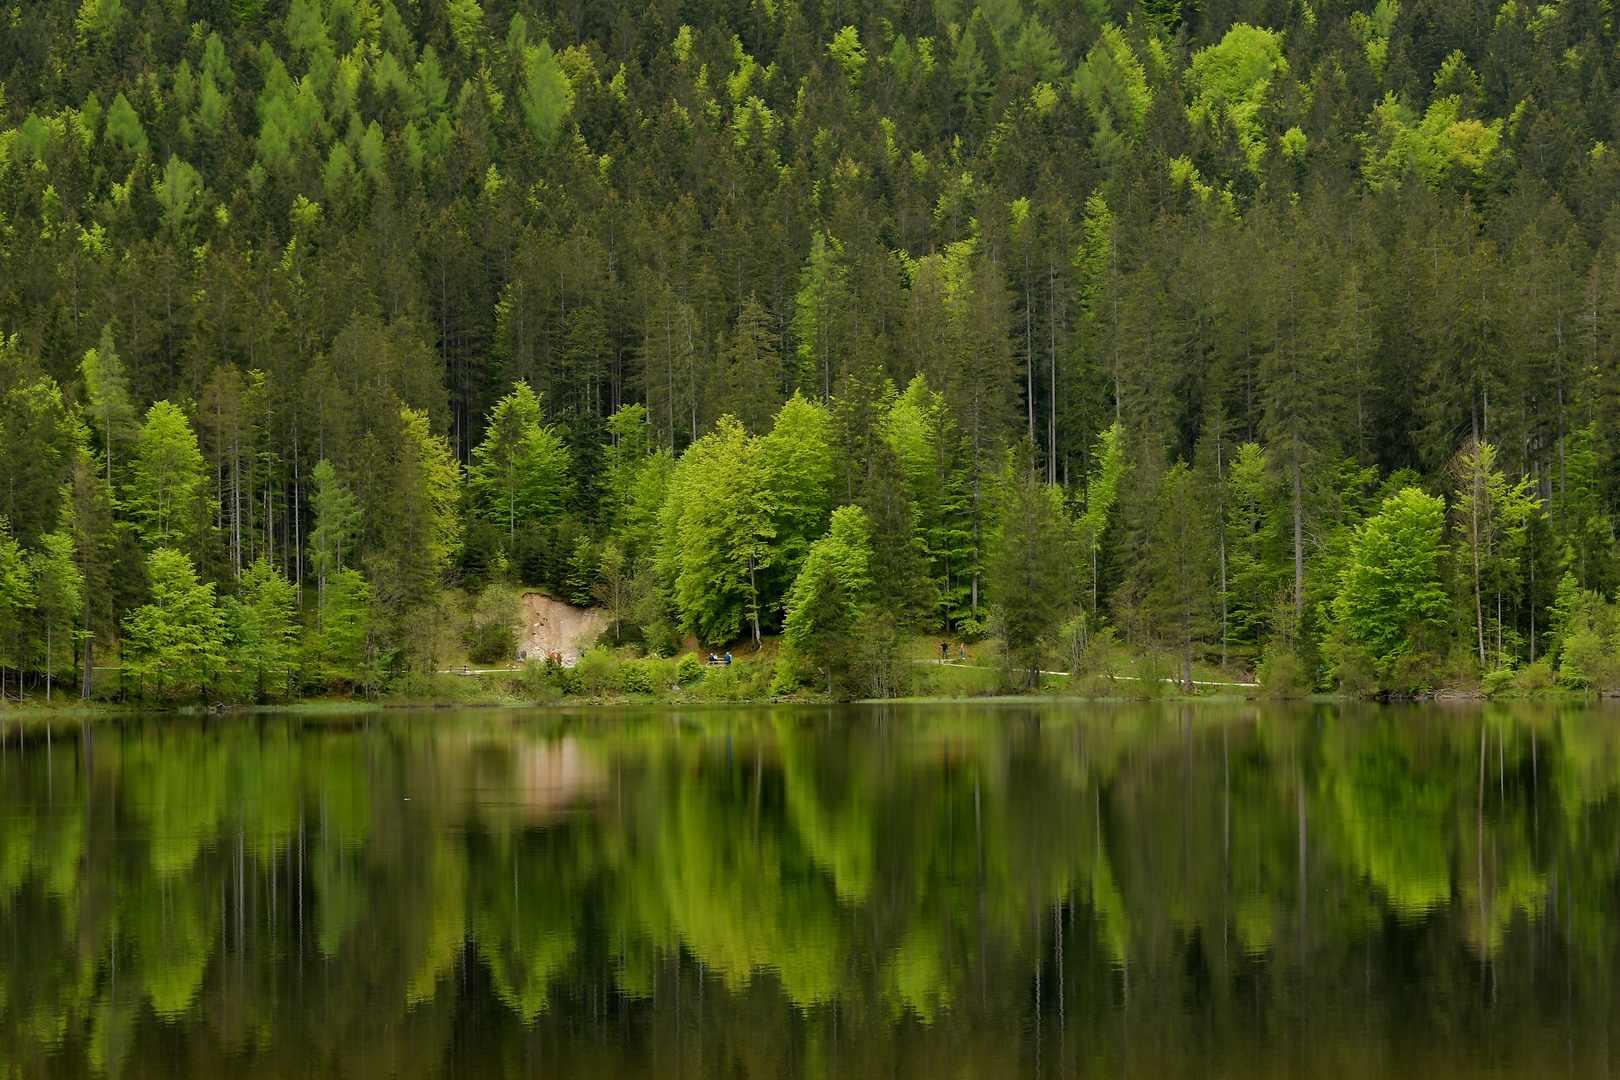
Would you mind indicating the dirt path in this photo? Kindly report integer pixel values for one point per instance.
(551, 626)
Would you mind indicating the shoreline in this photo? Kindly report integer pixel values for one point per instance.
(105, 710)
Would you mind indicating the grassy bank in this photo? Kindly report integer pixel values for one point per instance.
(608, 676)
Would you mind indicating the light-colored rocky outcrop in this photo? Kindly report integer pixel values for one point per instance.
(551, 626)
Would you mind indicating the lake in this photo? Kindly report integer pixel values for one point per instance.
(973, 890)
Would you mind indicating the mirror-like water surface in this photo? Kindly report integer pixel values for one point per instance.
(933, 891)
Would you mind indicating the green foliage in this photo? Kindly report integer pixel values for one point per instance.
(1112, 84)
(1492, 519)
(582, 569)
(262, 630)
(42, 435)
(1101, 494)
(1236, 75)
(1029, 557)
(1281, 674)
(166, 493)
(520, 473)
(337, 519)
(16, 597)
(58, 598)
(109, 406)
(177, 192)
(689, 669)
(1432, 147)
(716, 527)
(845, 48)
(1035, 54)
(174, 644)
(343, 652)
(559, 267)
(832, 585)
(547, 97)
(1256, 550)
(124, 127)
(1391, 601)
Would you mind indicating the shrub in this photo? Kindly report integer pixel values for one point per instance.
(1501, 679)
(596, 670)
(491, 643)
(721, 684)
(541, 682)
(637, 676)
(1534, 678)
(1349, 665)
(1281, 674)
(689, 670)
(661, 638)
(793, 671)
(1151, 672)
(1588, 662)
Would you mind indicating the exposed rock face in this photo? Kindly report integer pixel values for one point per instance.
(551, 626)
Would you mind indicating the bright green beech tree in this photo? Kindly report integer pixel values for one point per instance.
(717, 533)
(1391, 599)
(829, 591)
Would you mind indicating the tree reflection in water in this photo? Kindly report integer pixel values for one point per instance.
(976, 890)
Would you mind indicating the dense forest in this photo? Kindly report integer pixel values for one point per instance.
(1268, 336)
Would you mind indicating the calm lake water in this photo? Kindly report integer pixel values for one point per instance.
(932, 891)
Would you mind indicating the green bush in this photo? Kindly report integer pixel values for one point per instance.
(1501, 679)
(1534, 678)
(491, 643)
(637, 676)
(1349, 665)
(596, 670)
(1282, 674)
(721, 684)
(794, 671)
(540, 682)
(1151, 672)
(689, 670)
(1588, 661)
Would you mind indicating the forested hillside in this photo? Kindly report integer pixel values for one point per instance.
(1276, 334)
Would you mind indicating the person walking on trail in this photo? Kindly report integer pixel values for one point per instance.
(964, 652)
(944, 652)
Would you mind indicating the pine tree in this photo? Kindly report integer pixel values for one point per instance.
(752, 370)
(16, 599)
(520, 472)
(110, 408)
(58, 599)
(87, 519)
(166, 482)
(1029, 557)
(337, 520)
(899, 568)
(1179, 600)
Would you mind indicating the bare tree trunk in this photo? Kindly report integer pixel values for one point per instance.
(1299, 533)
(89, 649)
(753, 587)
(1220, 524)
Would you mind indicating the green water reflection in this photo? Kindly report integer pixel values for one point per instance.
(951, 890)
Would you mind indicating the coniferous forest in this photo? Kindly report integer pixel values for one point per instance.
(1263, 337)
